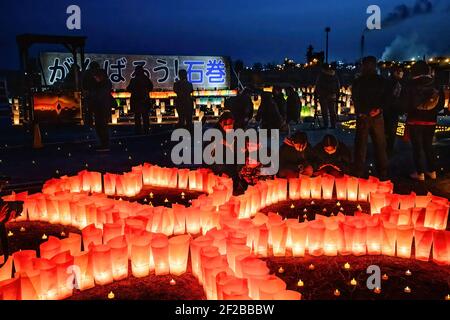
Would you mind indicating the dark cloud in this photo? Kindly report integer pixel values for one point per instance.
(403, 12)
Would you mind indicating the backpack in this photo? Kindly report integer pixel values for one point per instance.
(426, 99)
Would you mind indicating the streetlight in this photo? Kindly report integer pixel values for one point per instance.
(327, 30)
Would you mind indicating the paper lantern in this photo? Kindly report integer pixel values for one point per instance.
(71, 243)
(299, 232)
(195, 246)
(422, 201)
(84, 276)
(441, 247)
(119, 257)
(440, 218)
(23, 260)
(316, 187)
(160, 252)
(50, 248)
(109, 181)
(30, 284)
(64, 211)
(423, 238)
(261, 241)
(352, 188)
(10, 289)
(430, 212)
(359, 238)
(178, 254)
(193, 220)
(377, 201)
(102, 266)
(374, 237)
(327, 186)
(183, 178)
(235, 289)
(179, 215)
(404, 241)
(331, 238)
(348, 230)
(341, 188)
(269, 287)
(6, 269)
(64, 269)
(316, 232)
(111, 230)
(140, 255)
(91, 235)
(294, 188)
(222, 278)
(389, 239)
(287, 295)
(234, 250)
(220, 237)
(49, 281)
(305, 187)
(210, 269)
(407, 201)
(254, 271)
(277, 235)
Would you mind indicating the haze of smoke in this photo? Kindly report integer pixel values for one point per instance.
(405, 48)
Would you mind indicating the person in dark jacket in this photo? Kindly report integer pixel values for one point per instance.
(296, 156)
(332, 156)
(423, 101)
(327, 91)
(102, 100)
(368, 94)
(278, 98)
(268, 113)
(293, 106)
(140, 86)
(393, 107)
(184, 101)
(88, 84)
(242, 109)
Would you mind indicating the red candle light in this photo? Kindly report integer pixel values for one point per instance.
(64, 261)
(294, 188)
(277, 235)
(160, 251)
(119, 257)
(91, 235)
(85, 277)
(178, 254)
(305, 187)
(50, 248)
(316, 187)
(374, 236)
(316, 231)
(49, 281)
(331, 238)
(423, 238)
(352, 188)
(404, 241)
(327, 186)
(359, 238)
(109, 181)
(195, 246)
(102, 266)
(299, 232)
(140, 254)
(377, 201)
(341, 188)
(389, 238)
(441, 247)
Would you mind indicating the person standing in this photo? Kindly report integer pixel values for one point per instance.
(393, 107)
(268, 113)
(89, 92)
(368, 94)
(102, 100)
(327, 90)
(242, 109)
(278, 98)
(423, 102)
(293, 106)
(184, 101)
(140, 86)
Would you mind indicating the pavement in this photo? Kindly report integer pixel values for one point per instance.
(70, 149)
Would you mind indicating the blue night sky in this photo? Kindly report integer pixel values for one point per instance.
(251, 30)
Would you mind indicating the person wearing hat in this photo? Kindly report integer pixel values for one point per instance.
(327, 91)
(184, 101)
(140, 87)
(422, 101)
(332, 156)
(369, 95)
(393, 108)
(296, 156)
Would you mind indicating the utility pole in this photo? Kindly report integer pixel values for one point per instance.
(327, 30)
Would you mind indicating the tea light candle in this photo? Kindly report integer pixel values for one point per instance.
(111, 295)
(384, 277)
(166, 200)
(151, 195)
(338, 204)
(324, 210)
(337, 293)
(292, 206)
(63, 234)
(22, 229)
(313, 203)
(173, 282)
(447, 297)
(44, 236)
(10, 234)
(377, 290)
(300, 283)
(280, 270)
(305, 210)
(347, 265)
(408, 273)
(353, 282)
(311, 267)
(407, 289)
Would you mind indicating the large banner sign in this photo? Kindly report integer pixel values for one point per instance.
(203, 72)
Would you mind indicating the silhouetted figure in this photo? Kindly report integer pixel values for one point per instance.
(184, 101)
(242, 109)
(293, 106)
(89, 92)
(296, 156)
(368, 94)
(327, 91)
(278, 98)
(268, 113)
(140, 86)
(102, 100)
(423, 101)
(393, 107)
(332, 156)
(70, 81)
(8, 212)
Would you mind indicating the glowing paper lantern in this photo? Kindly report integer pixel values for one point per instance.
(404, 241)
(160, 252)
(316, 187)
(327, 186)
(195, 246)
(64, 268)
(50, 248)
(85, 276)
(10, 289)
(210, 269)
(269, 287)
(140, 255)
(377, 201)
(109, 181)
(101, 258)
(119, 257)
(91, 235)
(299, 232)
(49, 281)
(389, 239)
(305, 187)
(316, 232)
(193, 220)
(440, 218)
(294, 188)
(441, 247)
(374, 237)
(255, 271)
(277, 235)
(111, 230)
(23, 260)
(331, 238)
(6, 269)
(71, 243)
(423, 238)
(359, 238)
(235, 289)
(352, 188)
(179, 215)
(365, 187)
(30, 284)
(287, 295)
(178, 254)
(407, 201)
(341, 188)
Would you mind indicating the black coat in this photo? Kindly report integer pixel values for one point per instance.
(291, 159)
(341, 158)
(368, 93)
(269, 115)
(242, 110)
(184, 89)
(140, 86)
(327, 86)
(293, 107)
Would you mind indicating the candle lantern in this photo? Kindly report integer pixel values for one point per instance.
(404, 217)
(269, 287)
(101, 258)
(71, 243)
(220, 237)
(119, 257)
(140, 255)
(316, 187)
(352, 188)
(277, 236)
(389, 238)
(10, 289)
(287, 295)
(294, 188)
(49, 283)
(111, 230)
(193, 220)
(195, 246)
(207, 254)
(235, 289)
(341, 188)
(422, 201)
(234, 250)
(407, 201)
(262, 240)
(255, 271)
(374, 237)
(50, 248)
(418, 216)
(430, 212)
(91, 234)
(299, 232)
(327, 186)
(64, 262)
(179, 215)
(109, 181)
(365, 187)
(23, 260)
(404, 241)
(305, 187)
(331, 238)
(160, 252)
(441, 247)
(178, 254)
(30, 284)
(6, 269)
(211, 268)
(282, 189)
(377, 201)
(316, 231)
(423, 238)
(440, 218)
(85, 278)
(359, 238)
